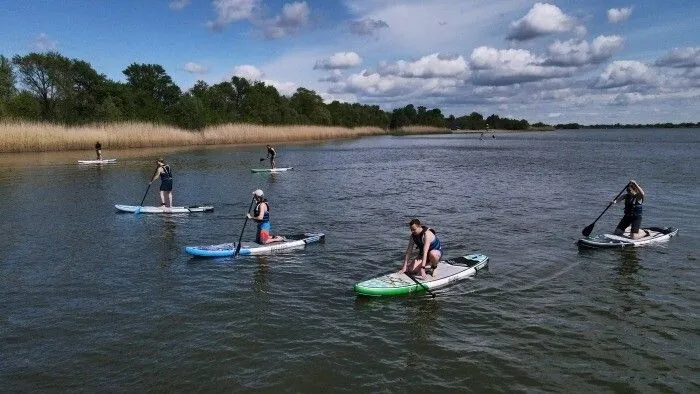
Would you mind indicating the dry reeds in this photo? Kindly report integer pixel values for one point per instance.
(44, 137)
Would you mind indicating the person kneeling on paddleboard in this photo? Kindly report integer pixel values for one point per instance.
(420, 236)
(261, 214)
(633, 210)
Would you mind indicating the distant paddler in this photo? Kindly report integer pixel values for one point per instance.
(98, 150)
(271, 155)
(634, 198)
(166, 182)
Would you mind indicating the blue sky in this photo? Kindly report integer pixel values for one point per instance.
(589, 61)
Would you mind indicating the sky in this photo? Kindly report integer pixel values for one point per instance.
(584, 61)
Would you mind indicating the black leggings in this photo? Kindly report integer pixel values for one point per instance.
(635, 221)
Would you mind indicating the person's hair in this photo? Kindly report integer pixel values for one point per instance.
(160, 159)
(413, 221)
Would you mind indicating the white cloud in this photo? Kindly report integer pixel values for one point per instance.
(196, 68)
(542, 19)
(579, 53)
(43, 43)
(623, 73)
(367, 27)
(510, 66)
(284, 88)
(178, 4)
(371, 84)
(430, 66)
(616, 15)
(229, 11)
(294, 16)
(248, 72)
(681, 58)
(339, 60)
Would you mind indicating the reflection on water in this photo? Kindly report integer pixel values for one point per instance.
(629, 262)
(260, 276)
(167, 248)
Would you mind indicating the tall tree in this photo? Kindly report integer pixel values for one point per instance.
(44, 75)
(154, 91)
(7, 85)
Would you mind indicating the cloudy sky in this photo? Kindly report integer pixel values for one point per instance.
(592, 61)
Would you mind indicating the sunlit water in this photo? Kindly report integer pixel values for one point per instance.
(95, 300)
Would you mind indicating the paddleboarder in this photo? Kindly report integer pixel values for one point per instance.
(98, 150)
(261, 214)
(427, 256)
(634, 198)
(271, 155)
(166, 182)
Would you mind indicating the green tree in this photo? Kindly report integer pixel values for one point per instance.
(154, 92)
(7, 85)
(45, 76)
(189, 113)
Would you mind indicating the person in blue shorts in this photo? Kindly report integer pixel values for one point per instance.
(166, 182)
(261, 214)
(634, 198)
(427, 255)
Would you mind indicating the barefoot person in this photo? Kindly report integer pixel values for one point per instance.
(261, 214)
(634, 198)
(427, 255)
(166, 182)
(271, 155)
(98, 150)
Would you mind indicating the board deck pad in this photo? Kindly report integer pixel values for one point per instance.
(447, 272)
(297, 241)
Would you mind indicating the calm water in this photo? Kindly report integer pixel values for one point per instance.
(96, 300)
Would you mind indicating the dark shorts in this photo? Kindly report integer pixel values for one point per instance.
(166, 185)
(635, 221)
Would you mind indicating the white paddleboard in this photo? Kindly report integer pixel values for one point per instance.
(163, 210)
(103, 161)
(655, 235)
(278, 169)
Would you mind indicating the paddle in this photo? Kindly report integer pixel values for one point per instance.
(587, 231)
(238, 245)
(138, 209)
(421, 284)
(262, 159)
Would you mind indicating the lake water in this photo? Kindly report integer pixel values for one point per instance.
(93, 300)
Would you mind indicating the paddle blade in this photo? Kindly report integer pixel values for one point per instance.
(238, 249)
(137, 211)
(587, 231)
(262, 159)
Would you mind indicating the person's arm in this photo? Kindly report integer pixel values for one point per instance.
(261, 214)
(157, 174)
(409, 249)
(429, 237)
(639, 188)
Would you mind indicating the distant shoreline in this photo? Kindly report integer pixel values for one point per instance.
(25, 137)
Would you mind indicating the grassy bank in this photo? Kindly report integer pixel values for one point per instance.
(45, 137)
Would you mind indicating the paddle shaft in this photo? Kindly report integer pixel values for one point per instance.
(587, 231)
(240, 238)
(138, 209)
(421, 284)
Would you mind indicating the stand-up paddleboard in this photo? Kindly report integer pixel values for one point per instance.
(279, 169)
(655, 235)
(252, 248)
(447, 272)
(163, 210)
(103, 161)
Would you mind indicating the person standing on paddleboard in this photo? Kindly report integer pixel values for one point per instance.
(98, 150)
(166, 182)
(430, 255)
(261, 214)
(633, 210)
(271, 155)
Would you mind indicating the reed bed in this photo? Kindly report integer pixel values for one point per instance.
(45, 137)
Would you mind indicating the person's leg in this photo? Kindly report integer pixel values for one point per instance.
(636, 224)
(170, 198)
(162, 197)
(434, 258)
(624, 222)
